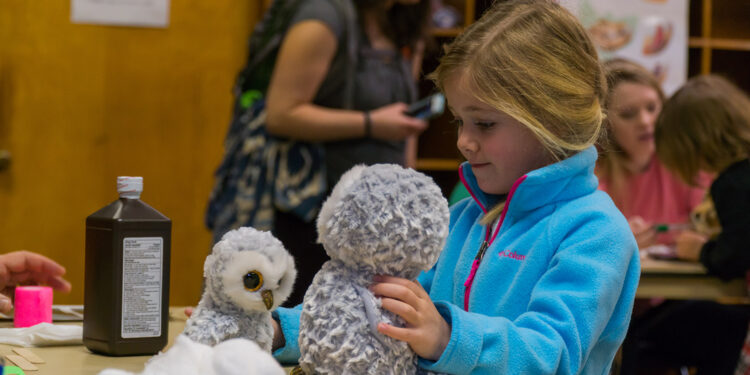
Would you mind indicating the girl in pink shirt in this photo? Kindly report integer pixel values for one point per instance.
(647, 193)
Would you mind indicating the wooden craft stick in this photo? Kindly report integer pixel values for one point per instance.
(21, 362)
(28, 355)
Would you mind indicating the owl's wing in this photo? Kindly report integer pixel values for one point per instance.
(211, 327)
(372, 312)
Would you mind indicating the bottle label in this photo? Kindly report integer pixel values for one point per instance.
(142, 263)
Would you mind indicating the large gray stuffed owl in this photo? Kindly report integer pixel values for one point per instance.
(248, 274)
(381, 219)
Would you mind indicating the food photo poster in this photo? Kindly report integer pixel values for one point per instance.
(653, 33)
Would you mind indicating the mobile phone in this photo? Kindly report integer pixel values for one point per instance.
(428, 107)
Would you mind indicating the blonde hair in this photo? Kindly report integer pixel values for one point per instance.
(532, 60)
(704, 126)
(612, 158)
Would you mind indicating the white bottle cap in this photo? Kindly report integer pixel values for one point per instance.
(130, 187)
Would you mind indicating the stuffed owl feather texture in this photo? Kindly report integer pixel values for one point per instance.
(381, 219)
(248, 274)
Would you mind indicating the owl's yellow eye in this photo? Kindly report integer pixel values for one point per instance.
(253, 280)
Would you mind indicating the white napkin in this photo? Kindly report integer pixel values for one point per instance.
(43, 334)
(237, 356)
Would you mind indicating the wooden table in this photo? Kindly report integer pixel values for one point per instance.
(674, 279)
(659, 278)
(77, 360)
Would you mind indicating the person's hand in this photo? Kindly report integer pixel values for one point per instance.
(689, 245)
(426, 332)
(27, 268)
(392, 124)
(644, 232)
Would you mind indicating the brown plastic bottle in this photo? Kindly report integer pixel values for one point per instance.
(126, 294)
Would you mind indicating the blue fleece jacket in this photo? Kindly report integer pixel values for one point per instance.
(553, 291)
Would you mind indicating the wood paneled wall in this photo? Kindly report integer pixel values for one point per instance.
(82, 104)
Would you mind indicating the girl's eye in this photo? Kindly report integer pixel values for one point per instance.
(627, 115)
(457, 122)
(484, 125)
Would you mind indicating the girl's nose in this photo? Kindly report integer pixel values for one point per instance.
(466, 144)
(646, 119)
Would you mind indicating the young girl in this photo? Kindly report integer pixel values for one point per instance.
(705, 126)
(540, 269)
(642, 188)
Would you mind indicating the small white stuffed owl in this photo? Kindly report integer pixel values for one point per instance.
(381, 219)
(248, 274)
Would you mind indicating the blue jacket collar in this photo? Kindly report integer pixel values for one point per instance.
(565, 180)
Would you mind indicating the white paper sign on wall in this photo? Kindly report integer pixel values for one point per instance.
(138, 13)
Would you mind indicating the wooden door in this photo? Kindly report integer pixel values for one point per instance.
(82, 104)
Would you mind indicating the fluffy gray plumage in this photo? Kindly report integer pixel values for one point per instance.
(244, 260)
(381, 219)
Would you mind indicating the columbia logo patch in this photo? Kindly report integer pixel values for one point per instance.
(511, 254)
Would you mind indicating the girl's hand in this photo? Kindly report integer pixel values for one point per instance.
(426, 332)
(689, 245)
(644, 232)
(390, 123)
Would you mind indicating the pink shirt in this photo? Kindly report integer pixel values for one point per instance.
(660, 197)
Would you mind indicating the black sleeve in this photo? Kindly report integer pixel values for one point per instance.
(728, 256)
(323, 11)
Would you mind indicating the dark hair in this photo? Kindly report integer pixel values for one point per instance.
(705, 125)
(403, 24)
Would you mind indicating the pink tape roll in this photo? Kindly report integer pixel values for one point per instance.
(33, 305)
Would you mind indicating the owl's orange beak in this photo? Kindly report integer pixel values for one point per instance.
(267, 298)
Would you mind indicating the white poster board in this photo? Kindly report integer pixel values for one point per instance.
(653, 33)
(140, 13)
